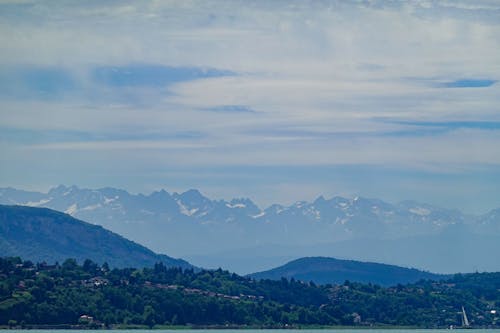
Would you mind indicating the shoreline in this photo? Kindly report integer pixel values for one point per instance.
(226, 327)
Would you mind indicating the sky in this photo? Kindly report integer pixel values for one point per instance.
(278, 101)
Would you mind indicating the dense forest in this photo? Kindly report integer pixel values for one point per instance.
(91, 295)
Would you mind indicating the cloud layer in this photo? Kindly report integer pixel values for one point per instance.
(173, 93)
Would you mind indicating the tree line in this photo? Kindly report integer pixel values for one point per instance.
(88, 294)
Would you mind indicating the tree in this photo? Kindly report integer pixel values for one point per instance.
(69, 264)
(149, 316)
(89, 266)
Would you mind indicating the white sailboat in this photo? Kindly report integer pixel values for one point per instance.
(465, 321)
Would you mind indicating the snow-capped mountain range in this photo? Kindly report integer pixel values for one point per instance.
(191, 225)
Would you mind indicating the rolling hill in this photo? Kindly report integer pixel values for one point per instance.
(324, 270)
(41, 234)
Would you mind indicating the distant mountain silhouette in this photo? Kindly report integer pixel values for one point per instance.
(41, 234)
(322, 270)
(211, 232)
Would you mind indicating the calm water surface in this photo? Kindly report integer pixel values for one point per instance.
(271, 331)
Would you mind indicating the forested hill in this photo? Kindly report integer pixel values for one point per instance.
(95, 296)
(41, 234)
(330, 270)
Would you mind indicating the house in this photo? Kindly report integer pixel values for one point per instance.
(95, 282)
(85, 319)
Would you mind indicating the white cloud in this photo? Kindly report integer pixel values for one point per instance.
(324, 79)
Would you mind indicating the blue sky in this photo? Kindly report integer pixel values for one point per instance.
(276, 101)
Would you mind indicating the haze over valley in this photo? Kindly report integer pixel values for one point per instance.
(240, 236)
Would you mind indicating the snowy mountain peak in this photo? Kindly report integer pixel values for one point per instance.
(275, 209)
(191, 197)
(64, 190)
(160, 194)
(191, 220)
(319, 200)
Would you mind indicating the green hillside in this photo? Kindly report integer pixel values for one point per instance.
(90, 295)
(323, 270)
(41, 234)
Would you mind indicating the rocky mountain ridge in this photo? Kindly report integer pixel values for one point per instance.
(197, 225)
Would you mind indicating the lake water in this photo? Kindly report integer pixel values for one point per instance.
(269, 331)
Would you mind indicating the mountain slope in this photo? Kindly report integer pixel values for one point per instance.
(324, 270)
(204, 228)
(41, 234)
